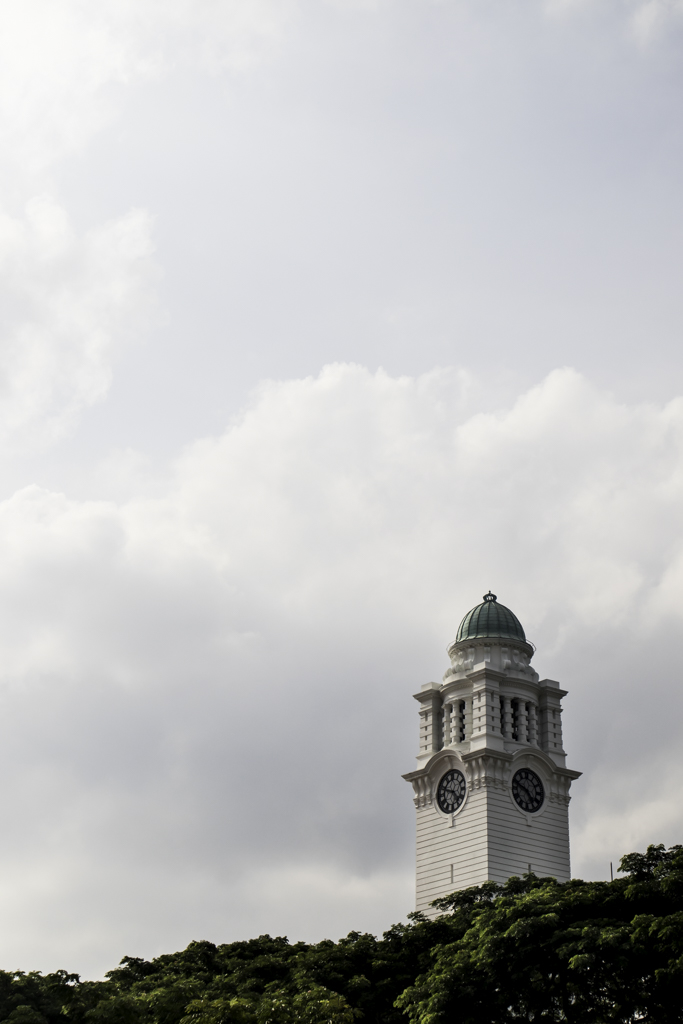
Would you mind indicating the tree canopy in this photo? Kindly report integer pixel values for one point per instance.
(531, 949)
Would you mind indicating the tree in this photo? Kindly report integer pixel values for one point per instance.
(529, 950)
(580, 952)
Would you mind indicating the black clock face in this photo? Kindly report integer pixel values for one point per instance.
(527, 789)
(451, 791)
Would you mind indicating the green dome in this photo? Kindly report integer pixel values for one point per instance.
(490, 619)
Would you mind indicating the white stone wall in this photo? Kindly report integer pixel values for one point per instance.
(489, 840)
(516, 840)
(441, 844)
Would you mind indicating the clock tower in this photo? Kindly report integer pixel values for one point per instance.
(491, 784)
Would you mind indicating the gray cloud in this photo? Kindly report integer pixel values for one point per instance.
(213, 607)
(206, 701)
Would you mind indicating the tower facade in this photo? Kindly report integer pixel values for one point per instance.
(491, 785)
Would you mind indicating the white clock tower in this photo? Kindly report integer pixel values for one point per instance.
(491, 786)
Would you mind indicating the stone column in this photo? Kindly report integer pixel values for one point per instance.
(447, 713)
(423, 730)
(522, 722)
(430, 719)
(496, 714)
(507, 718)
(533, 725)
(468, 718)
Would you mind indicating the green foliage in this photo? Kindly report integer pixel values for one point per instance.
(534, 950)
(528, 950)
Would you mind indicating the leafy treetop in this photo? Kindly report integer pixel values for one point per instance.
(529, 950)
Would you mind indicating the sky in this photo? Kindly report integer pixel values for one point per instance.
(318, 319)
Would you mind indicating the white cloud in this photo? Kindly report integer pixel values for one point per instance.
(64, 66)
(66, 300)
(651, 19)
(67, 297)
(60, 58)
(61, 61)
(207, 691)
(206, 682)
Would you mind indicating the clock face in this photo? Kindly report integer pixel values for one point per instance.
(527, 789)
(451, 791)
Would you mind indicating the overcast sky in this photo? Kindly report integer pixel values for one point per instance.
(317, 320)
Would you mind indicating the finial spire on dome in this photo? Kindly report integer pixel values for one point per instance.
(490, 596)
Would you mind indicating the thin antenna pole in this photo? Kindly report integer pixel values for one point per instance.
(611, 872)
